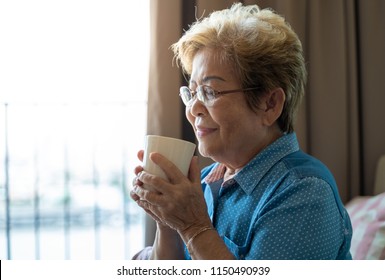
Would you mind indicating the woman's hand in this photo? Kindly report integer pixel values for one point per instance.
(177, 203)
(137, 183)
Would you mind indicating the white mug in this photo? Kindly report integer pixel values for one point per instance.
(179, 152)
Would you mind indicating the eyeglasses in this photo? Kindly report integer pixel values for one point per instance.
(205, 94)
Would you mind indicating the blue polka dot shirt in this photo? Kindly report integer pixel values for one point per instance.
(284, 204)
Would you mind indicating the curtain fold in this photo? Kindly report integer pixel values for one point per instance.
(164, 107)
(340, 121)
(331, 94)
(371, 45)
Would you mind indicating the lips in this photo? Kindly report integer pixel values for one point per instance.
(202, 131)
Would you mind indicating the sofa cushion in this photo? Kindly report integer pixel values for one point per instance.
(143, 254)
(368, 220)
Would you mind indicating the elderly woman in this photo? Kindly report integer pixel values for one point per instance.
(263, 198)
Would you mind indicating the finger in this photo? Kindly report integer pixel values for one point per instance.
(138, 169)
(136, 181)
(140, 155)
(147, 195)
(134, 196)
(151, 182)
(147, 208)
(171, 170)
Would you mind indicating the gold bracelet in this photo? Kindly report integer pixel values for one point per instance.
(196, 234)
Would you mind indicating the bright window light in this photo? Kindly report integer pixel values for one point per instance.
(73, 50)
(73, 106)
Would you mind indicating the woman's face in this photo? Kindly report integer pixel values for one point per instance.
(228, 131)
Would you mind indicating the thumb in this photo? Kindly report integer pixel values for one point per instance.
(194, 173)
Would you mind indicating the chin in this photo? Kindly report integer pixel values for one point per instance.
(202, 150)
(205, 151)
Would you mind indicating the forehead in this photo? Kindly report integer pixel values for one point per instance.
(210, 62)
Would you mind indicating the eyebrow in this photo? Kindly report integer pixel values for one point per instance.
(209, 78)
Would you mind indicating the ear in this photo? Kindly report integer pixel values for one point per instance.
(274, 102)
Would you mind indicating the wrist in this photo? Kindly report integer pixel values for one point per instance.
(192, 232)
(166, 230)
(197, 234)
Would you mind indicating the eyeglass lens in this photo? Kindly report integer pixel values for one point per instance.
(203, 93)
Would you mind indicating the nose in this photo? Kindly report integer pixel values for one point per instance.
(197, 108)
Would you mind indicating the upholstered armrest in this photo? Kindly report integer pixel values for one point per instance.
(368, 220)
(143, 254)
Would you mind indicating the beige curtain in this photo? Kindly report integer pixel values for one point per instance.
(164, 107)
(341, 121)
(342, 116)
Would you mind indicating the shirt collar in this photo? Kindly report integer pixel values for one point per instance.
(249, 176)
(217, 173)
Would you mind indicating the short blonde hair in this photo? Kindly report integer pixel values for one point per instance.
(262, 47)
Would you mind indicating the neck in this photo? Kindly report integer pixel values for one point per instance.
(232, 167)
(229, 173)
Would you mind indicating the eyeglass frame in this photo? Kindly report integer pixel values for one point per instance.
(194, 93)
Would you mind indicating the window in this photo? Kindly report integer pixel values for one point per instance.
(73, 91)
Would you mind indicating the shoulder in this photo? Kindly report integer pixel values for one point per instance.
(311, 180)
(304, 166)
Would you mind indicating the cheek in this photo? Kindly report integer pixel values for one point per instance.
(229, 127)
(235, 123)
(225, 119)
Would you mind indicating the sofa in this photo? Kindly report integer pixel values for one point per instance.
(367, 214)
